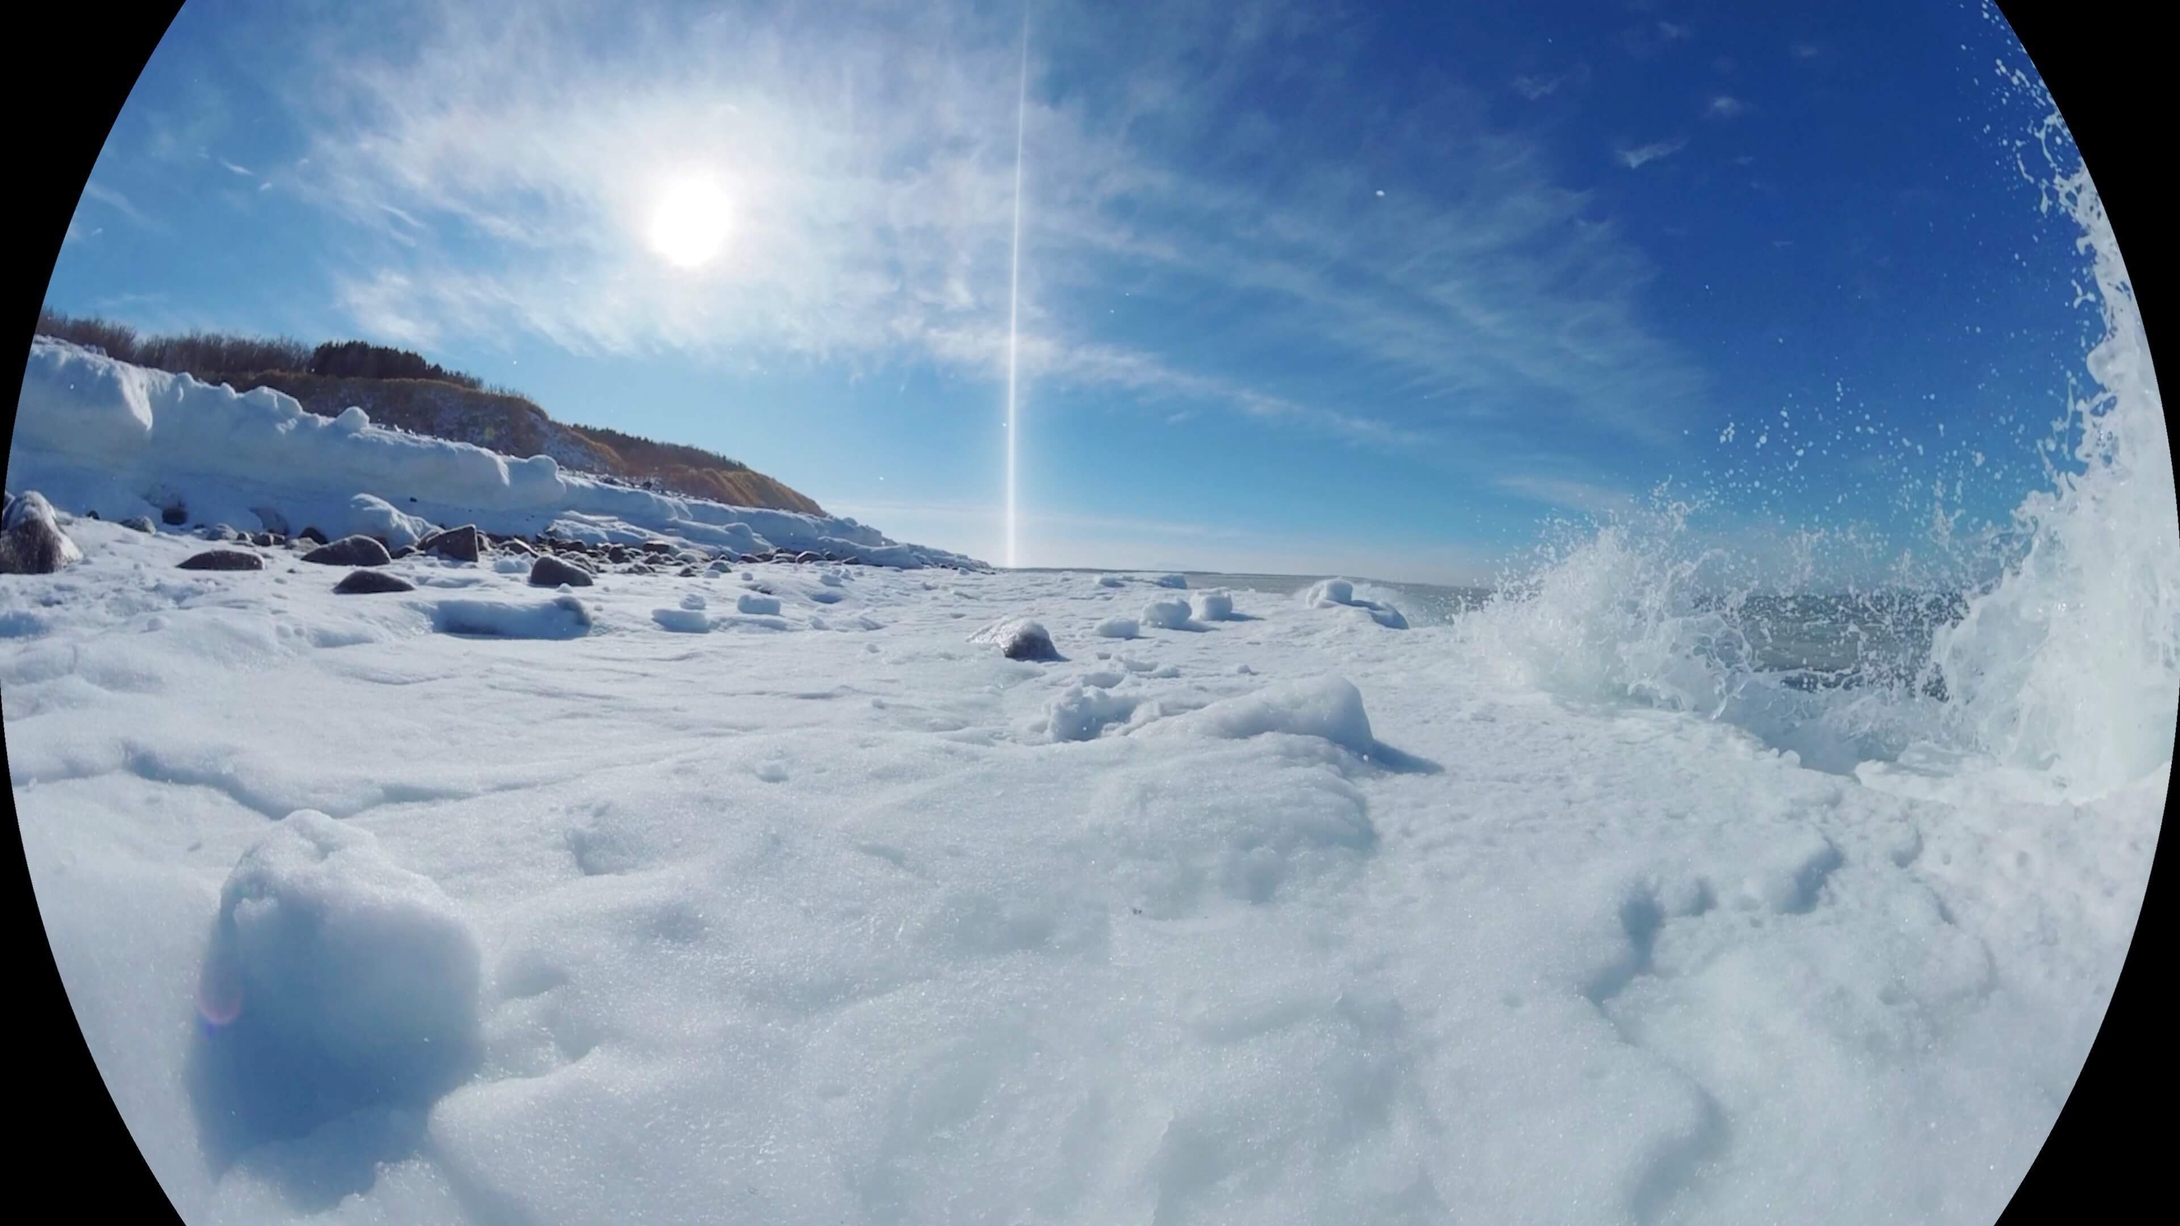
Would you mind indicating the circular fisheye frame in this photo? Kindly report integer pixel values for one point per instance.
(1068, 612)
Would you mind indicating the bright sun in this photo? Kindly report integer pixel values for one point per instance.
(690, 224)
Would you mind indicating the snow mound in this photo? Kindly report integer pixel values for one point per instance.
(756, 605)
(1167, 615)
(1327, 707)
(1111, 581)
(1082, 713)
(1212, 606)
(563, 617)
(336, 980)
(682, 621)
(1340, 593)
(1171, 581)
(102, 435)
(1118, 628)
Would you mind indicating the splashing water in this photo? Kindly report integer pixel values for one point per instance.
(2064, 663)
(2070, 663)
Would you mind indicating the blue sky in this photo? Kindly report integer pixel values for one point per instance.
(1311, 287)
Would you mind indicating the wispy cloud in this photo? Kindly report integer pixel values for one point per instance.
(1569, 493)
(506, 157)
(244, 171)
(1534, 88)
(1641, 155)
(119, 203)
(1725, 106)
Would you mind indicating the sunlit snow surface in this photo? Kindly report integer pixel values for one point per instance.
(834, 915)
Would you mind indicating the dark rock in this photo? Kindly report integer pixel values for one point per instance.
(687, 572)
(277, 539)
(313, 534)
(264, 540)
(550, 571)
(139, 523)
(349, 551)
(808, 556)
(618, 554)
(33, 543)
(174, 516)
(1023, 640)
(463, 544)
(516, 544)
(658, 547)
(28, 506)
(398, 554)
(368, 582)
(91, 514)
(638, 568)
(223, 559)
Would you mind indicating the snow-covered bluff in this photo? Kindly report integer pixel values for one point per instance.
(99, 435)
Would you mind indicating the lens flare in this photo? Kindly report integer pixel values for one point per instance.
(1014, 298)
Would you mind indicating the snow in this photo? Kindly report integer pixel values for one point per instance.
(1119, 628)
(99, 435)
(563, 617)
(1289, 919)
(1340, 594)
(1212, 606)
(335, 982)
(751, 602)
(1330, 708)
(1167, 615)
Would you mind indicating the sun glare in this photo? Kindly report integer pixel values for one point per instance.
(690, 224)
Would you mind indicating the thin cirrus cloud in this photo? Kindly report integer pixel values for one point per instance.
(501, 161)
(1642, 155)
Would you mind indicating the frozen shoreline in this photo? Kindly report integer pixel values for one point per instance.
(831, 914)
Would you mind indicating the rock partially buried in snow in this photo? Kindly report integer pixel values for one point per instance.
(371, 582)
(356, 550)
(336, 980)
(1018, 639)
(463, 544)
(139, 523)
(549, 571)
(222, 559)
(33, 543)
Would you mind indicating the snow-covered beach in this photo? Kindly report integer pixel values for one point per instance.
(834, 915)
(780, 893)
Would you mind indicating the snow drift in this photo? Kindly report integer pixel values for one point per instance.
(96, 434)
